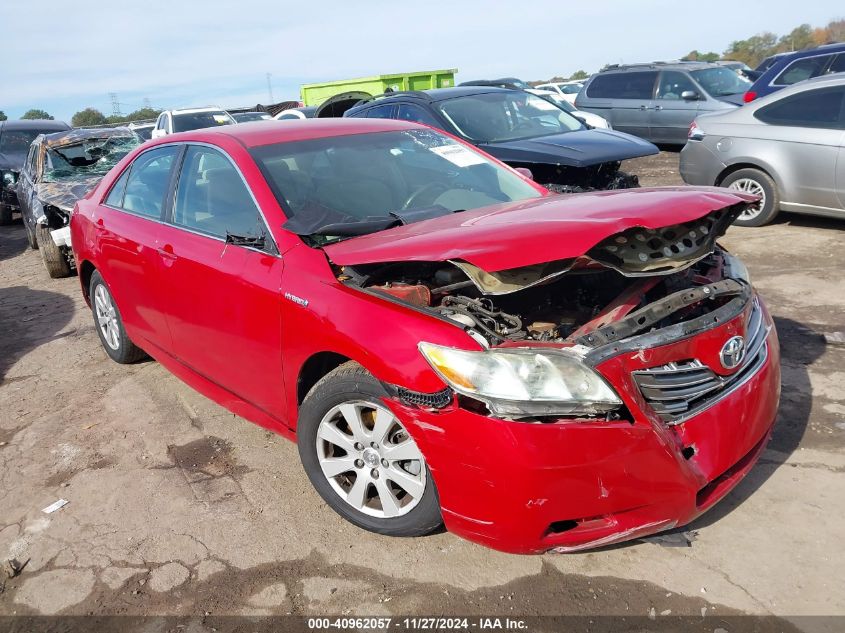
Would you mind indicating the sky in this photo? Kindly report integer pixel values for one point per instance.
(64, 56)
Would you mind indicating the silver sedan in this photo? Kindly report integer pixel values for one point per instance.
(788, 148)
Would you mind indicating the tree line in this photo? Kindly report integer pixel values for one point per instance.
(758, 47)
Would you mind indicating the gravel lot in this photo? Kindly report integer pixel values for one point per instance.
(179, 507)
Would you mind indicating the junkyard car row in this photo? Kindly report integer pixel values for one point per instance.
(449, 333)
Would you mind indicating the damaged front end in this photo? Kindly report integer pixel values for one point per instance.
(542, 328)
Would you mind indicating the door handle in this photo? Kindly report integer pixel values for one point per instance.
(166, 252)
(644, 107)
(658, 107)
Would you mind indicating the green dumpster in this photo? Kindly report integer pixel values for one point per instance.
(315, 94)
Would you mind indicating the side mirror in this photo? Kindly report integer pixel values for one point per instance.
(158, 133)
(524, 171)
(690, 95)
(583, 120)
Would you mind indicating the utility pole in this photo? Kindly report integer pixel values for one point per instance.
(270, 88)
(115, 105)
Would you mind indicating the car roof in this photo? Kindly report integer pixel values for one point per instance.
(258, 133)
(679, 65)
(34, 124)
(195, 110)
(77, 135)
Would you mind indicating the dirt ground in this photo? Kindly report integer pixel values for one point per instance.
(178, 507)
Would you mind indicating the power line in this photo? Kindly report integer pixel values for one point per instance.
(115, 104)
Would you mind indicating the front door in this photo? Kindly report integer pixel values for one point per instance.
(222, 299)
(672, 114)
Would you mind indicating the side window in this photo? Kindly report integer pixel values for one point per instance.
(160, 122)
(167, 124)
(802, 69)
(115, 197)
(32, 161)
(672, 84)
(380, 112)
(815, 108)
(148, 180)
(212, 197)
(837, 65)
(410, 112)
(625, 85)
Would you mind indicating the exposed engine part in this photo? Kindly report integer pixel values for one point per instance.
(563, 179)
(483, 314)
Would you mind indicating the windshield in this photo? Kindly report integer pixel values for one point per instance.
(571, 89)
(92, 157)
(17, 141)
(337, 187)
(197, 120)
(721, 81)
(559, 101)
(506, 116)
(251, 116)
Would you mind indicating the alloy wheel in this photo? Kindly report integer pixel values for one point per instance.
(370, 460)
(107, 317)
(749, 185)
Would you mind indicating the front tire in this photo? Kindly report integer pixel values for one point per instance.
(361, 459)
(54, 259)
(109, 324)
(759, 183)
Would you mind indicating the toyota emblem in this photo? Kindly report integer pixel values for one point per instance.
(733, 351)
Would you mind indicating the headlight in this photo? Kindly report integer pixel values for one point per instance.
(8, 178)
(523, 382)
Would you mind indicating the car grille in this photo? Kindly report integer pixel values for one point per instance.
(680, 390)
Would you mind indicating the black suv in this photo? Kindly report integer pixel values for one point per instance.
(521, 129)
(15, 139)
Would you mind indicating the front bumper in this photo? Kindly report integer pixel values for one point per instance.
(569, 485)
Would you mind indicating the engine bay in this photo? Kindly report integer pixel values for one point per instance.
(579, 304)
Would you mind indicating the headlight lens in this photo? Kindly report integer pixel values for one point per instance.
(8, 178)
(522, 381)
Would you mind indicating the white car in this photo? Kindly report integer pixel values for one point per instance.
(185, 119)
(566, 89)
(588, 118)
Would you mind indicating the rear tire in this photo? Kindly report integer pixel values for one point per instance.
(109, 324)
(55, 260)
(369, 471)
(754, 181)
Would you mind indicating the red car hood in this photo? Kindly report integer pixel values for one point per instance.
(518, 234)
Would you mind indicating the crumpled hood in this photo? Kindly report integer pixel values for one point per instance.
(65, 194)
(573, 149)
(517, 234)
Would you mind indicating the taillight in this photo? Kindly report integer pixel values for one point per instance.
(749, 96)
(695, 133)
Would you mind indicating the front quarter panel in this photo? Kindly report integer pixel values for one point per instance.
(320, 314)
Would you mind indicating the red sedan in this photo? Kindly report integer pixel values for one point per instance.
(448, 342)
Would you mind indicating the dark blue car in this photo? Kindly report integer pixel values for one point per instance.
(520, 129)
(785, 69)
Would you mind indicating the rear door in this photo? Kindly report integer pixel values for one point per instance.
(222, 300)
(26, 186)
(626, 99)
(127, 224)
(672, 114)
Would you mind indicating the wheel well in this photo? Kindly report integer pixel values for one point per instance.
(733, 168)
(85, 271)
(314, 369)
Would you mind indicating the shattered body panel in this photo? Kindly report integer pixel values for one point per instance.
(537, 280)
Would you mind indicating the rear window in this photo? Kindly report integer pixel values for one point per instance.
(17, 141)
(802, 69)
(815, 108)
(635, 85)
(198, 120)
